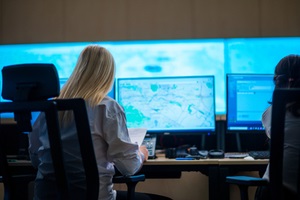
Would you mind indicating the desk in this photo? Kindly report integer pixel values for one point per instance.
(162, 167)
(21, 167)
(215, 169)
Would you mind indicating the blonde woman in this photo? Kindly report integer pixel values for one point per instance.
(91, 80)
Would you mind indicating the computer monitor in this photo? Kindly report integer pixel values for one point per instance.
(248, 96)
(169, 105)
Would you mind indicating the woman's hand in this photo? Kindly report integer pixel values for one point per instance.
(143, 150)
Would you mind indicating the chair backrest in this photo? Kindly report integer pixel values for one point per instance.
(29, 82)
(281, 97)
(30, 86)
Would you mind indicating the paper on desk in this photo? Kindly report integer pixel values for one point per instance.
(137, 135)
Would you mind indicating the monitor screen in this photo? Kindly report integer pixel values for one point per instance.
(248, 96)
(158, 58)
(166, 105)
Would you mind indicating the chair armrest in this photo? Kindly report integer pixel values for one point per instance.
(246, 180)
(128, 179)
(243, 182)
(131, 182)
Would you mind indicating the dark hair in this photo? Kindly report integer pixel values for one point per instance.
(287, 72)
(287, 75)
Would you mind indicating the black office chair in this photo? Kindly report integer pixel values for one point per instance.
(30, 86)
(281, 97)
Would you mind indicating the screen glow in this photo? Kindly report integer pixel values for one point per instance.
(159, 58)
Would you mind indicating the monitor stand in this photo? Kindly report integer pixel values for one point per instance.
(238, 142)
(203, 138)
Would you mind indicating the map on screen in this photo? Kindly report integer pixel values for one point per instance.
(168, 103)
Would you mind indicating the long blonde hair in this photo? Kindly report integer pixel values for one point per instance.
(91, 79)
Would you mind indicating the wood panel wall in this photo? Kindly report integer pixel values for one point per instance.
(32, 21)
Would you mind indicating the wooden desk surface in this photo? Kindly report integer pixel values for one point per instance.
(233, 161)
(19, 163)
(162, 160)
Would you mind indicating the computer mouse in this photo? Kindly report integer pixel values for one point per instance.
(249, 158)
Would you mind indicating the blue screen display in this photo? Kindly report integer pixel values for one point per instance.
(248, 96)
(168, 104)
(160, 58)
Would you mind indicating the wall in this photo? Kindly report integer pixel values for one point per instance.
(30, 21)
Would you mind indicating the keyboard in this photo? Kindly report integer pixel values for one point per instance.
(259, 154)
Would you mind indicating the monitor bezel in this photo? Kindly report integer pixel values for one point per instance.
(174, 131)
(242, 131)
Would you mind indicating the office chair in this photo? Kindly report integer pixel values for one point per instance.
(281, 97)
(30, 86)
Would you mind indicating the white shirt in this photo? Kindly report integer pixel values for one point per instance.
(291, 147)
(111, 143)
